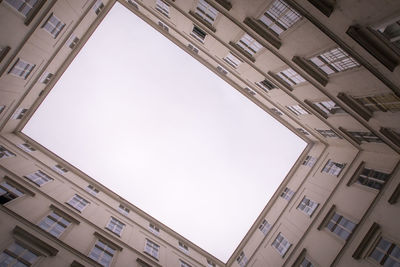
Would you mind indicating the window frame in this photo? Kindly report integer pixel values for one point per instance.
(75, 204)
(105, 248)
(39, 178)
(333, 60)
(58, 220)
(277, 244)
(6, 153)
(152, 248)
(115, 226)
(327, 169)
(304, 206)
(24, 67)
(54, 28)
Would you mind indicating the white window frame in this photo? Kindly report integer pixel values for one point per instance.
(206, 11)
(242, 259)
(60, 169)
(123, 210)
(339, 224)
(23, 7)
(19, 113)
(21, 69)
(105, 249)
(152, 248)
(249, 44)
(19, 253)
(77, 202)
(281, 244)
(53, 25)
(309, 161)
(333, 168)
(5, 153)
(383, 250)
(279, 17)
(264, 227)
(329, 107)
(154, 229)
(372, 178)
(98, 7)
(27, 147)
(297, 110)
(233, 60)
(9, 191)
(92, 190)
(287, 194)
(291, 77)
(55, 224)
(115, 226)
(198, 33)
(39, 178)
(163, 7)
(307, 206)
(334, 60)
(182, 246)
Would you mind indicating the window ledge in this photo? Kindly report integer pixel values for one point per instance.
(263, 31)
(225, 4)
(353, 104)
(365, 241)
(154, 258)
(375, 46)
(323, 6)
(244, 53)
(202, 21)
(25, 235)
(280, 80)
(313, 71)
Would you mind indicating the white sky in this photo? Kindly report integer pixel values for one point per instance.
(148, 121)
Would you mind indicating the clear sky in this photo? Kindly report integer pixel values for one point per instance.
(144, 118)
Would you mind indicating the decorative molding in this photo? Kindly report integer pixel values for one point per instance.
(391, 135)
(327, 217)
(34, 12)
(311, 70)
(369, 41)
(354, 105)
(202, 21)
(225, 4)
(325, 6)
(280, 80)
(356, 174)
(366, 240)
(25, 235)
(242, 51)
(349, 135)
(395, 196)
(263, 31)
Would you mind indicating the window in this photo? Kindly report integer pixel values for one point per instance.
(334, 60)
(19, 113)
(46, 78)
(341, 226)
(307, 206)
(193, 48)
(8, 192)
(301, 130)
(386, 253)
(54, 223)
(249, 45)
(163, 26)
(72, 41)
(39, 178)
(198, 33)
(333, 168)
(21, 69)
(222, 70)
(2, 108)
(264, 227)
(162, 7)
(92, 190)
(206, 11)
(306, 263)
(372, 178)
(365, 137)
(266, 85)
(392, 33)
(382, 102)
(133, 3)
(249, 91)
(183, 247)
(102, 253)
(287, 194)
(232, 60)
(78, 202)
(115, 226)
(53, 26)
(309, 161)
(60, 169)
(329, 107)
(27, 147)
(280, 17)
(327, 133)
(18, 255)
(23, 6)
(210, 263)
(151, 248)
(297, 110)
(122, 209)
(98, 7)
(281, 244)
(184, 264)
(276, 111)
(154, 229)
(5, 153)
(290, 76)
(242, 260)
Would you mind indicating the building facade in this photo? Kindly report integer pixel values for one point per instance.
(327, 70)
